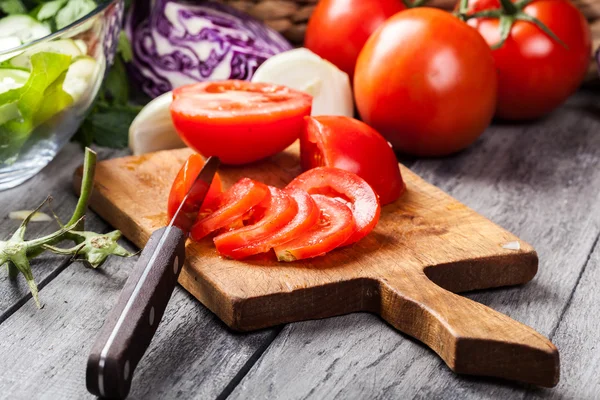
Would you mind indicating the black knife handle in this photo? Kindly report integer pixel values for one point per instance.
(130, 326)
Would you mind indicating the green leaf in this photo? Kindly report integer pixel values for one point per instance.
(124, 47)
(31, 98)
(49, 9)
(55, 100)
(72, 11)
(116, 86)
(108, 125)
(12, 7)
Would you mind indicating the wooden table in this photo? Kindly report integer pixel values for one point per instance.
(539, 180)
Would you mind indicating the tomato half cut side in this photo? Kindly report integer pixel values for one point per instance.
(236, 201)
(335, 226)
(352, 145)
(282, 209)
(307, 216)
(183, 182)
(261, 119)
(348, 187)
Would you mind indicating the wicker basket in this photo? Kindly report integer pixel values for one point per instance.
(291, 16)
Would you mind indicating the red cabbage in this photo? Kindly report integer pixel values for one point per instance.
(176, 43)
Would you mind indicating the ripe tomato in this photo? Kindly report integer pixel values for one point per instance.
(347, 187)
(335, 227)
(307, 216)
(352, 145)
(183, 182)
(234, 203)
(427, 82)
(535, 72)
(238, 121)
(338, 29)
(281, 209)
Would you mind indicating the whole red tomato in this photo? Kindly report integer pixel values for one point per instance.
(338, 29)
(536, 73)
(427, 82)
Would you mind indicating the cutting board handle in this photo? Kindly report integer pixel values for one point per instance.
(470, 337)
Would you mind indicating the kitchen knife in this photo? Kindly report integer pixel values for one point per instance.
(130, 326)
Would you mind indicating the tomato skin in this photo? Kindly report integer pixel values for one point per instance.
(535, 73)
(335, 227)
(349, 188)
(233, 203)
(281, 210)
(338, 29)
(426, 82)
(352, 145)
(183, 182)
(307, 216)
(240, 122)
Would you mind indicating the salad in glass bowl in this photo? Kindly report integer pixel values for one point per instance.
(53, 59)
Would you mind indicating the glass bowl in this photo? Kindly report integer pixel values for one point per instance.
(36, 123)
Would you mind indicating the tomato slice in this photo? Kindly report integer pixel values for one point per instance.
(306, 217)
(334, 228)
(234, 203)
(352, 145)
(238, 121)
(348, 187)
(183, 182)
(281, 209)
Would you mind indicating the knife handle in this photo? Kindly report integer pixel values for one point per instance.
(130, 326)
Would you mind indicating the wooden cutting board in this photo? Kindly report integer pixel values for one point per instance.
(426, 246)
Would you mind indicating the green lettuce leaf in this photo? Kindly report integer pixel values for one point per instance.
(38, 100)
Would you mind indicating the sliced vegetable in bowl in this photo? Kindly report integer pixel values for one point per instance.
(50, 79)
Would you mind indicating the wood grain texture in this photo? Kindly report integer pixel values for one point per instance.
(539, 180)
(577, 336)
(425, 234)
(44, 352)
(53, 180)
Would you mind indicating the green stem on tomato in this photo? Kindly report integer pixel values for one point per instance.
(418, 3)
(462, 9)
(508, 7)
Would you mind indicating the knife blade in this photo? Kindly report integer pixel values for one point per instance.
(129, 328)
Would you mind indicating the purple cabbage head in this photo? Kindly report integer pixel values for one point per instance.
(176, 43)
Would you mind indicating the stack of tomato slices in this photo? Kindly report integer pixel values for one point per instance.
(320, 210)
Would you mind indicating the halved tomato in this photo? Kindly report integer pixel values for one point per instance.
(349, 188)
(238, 121)
(234, 203)
(282, 209)
(335, 227)
(306, 217)
(183, 182)
(352, 145)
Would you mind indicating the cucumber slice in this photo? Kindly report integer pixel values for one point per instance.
(81, 45)
(24, 27)
(12, 79)
(80, 76)
(64, 46)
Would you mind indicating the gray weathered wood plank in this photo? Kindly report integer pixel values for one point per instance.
(540, 181)
(44, 352)
(578, 337)
(53, 180)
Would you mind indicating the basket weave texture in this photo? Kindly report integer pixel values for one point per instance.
(290, 17)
